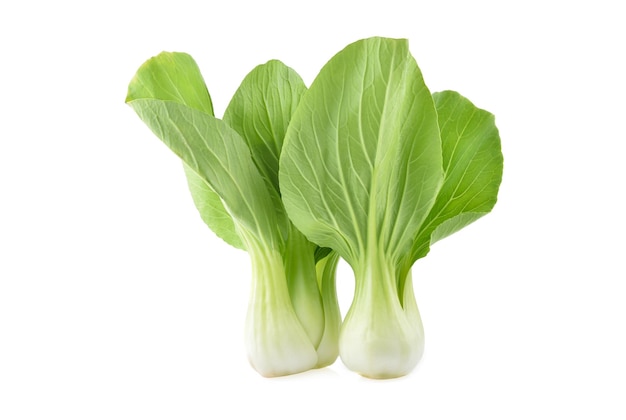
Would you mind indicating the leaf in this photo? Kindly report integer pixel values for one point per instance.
(473, 163)
(212, 210)
(260, 112)
(218, 154)
(176, 77)
(171, 76)
(321, 253)
(361, 163)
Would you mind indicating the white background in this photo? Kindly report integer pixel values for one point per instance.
(116, 302)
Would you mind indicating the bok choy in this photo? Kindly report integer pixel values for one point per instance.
(366, 165)
(232, 170)
(378, 169)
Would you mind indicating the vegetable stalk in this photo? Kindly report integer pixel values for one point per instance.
(378, 338)
(276, 341)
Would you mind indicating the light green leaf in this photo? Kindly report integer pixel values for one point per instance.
(212, 210)
(218, 154)
(260, 112)
(361, 164)
(176, 77)
(171, 76)
(472, 161)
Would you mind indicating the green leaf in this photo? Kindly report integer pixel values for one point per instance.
(212, 210)
(218, 154)
(473, 163)
(321, 253)
(362, 164)
(260, 112)
(173, 76)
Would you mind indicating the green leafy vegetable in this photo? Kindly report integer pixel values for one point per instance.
(365, 170)
(229, 164)
(366, 165)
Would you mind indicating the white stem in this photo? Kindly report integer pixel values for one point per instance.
(276, 342)
(377, 340)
